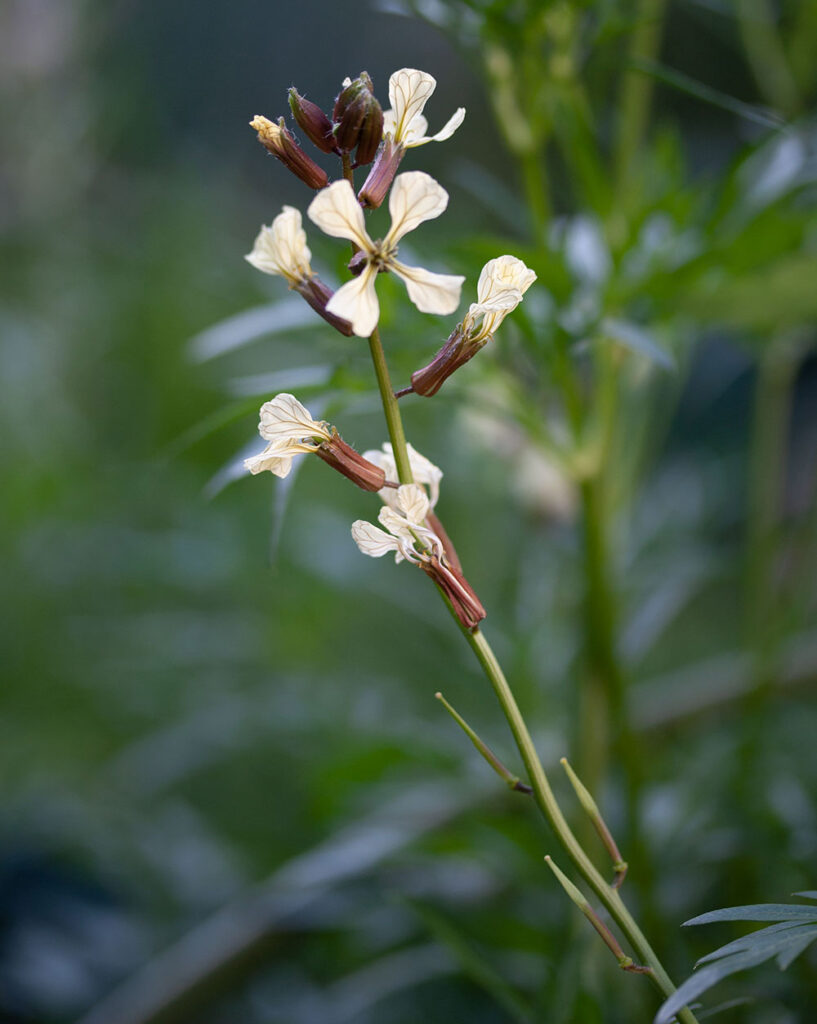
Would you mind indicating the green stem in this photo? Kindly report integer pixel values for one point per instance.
(544, 797)
(542, 792)
(536, 191)
(636, 89)
(776, 372)
(391, 409)
(766, 55)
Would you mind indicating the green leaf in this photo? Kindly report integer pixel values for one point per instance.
(758, 912)
(783, 942)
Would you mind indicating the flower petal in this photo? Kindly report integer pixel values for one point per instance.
(447, 130)
(409, 91)
(270, 460)
(373, 541)
(430, 293)
(356, 301)
(415, 197)
(284, 420)
(501, 274)
(281, 248)
(337, 212)
(413, 502)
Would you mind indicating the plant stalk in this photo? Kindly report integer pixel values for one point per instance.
(542, 792)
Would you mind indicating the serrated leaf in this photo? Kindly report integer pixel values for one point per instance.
(758, 912)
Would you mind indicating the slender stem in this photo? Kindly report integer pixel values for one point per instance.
(767, 55)
(636, 89)
(544, 797)
(536, 191)
(394, 420)
(348, 172)
(542, 792)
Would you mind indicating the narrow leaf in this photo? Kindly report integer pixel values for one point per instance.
(758, 912)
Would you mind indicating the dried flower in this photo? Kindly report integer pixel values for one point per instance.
(415, 198)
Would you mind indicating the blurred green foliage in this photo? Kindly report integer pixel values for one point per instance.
(221, 746)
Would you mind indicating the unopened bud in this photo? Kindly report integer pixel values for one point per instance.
(455, 353)
(278, 140)
(467, 606)
(342, 457)
(312, 121)
(358, 119)
(317, 294)
(377, 184)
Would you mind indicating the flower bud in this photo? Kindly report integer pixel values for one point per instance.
(380, 177)
(358, 119)
(317, 294)
(455, 353)
(312, 121)
(278, 140)
(342, 457)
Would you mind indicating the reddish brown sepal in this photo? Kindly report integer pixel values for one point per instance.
(467, 606)
(450, 551)
(455, 353)
(342, 457)
(317, 294)
(377, 184)
(312, 121)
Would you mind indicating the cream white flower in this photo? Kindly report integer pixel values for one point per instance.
(290, 430)
(408, 536)
(415, 197)
(406, 529)
(409, 91)
(500, 288)
(281, 248)
(422, 469)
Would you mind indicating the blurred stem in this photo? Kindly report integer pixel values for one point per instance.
(636, 89)
(542, 792)
(766, 56)
(536, 191)
(776, 373)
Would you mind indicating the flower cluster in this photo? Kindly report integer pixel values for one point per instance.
(359, 132)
